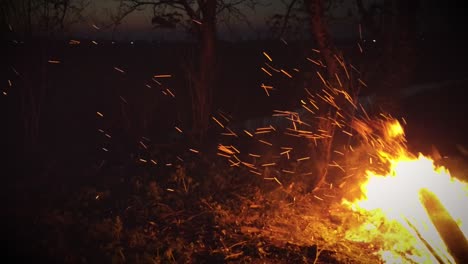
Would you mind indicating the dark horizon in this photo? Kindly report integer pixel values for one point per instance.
(435, 19)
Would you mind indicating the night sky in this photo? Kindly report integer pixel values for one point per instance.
(436, 17)
(138, 24)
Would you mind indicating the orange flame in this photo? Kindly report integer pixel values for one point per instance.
(394, 215)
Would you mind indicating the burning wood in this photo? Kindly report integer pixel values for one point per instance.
(449, 230)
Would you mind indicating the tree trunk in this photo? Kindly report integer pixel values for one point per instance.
(322, 36)
(334, 69)
(318, 27)
(205, 80)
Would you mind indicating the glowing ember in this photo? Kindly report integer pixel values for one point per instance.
(408, 212)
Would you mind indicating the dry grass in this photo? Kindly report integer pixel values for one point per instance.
(283, 219)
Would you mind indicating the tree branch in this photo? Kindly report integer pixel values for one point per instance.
(136, 4)
(189, 10)
(228, 6)
(286, 18)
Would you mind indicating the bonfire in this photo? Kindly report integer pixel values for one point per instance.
(414, 212)
(387, 204)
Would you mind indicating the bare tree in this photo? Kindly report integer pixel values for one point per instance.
(27, 18)
(320, 33)
(334, 70)
(200, 18)
(291, 23)
(391, 22)
(325, 44)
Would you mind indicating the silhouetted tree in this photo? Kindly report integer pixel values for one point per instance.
(332, 59)
(199, 17)
(316, 14)
(388, 68)
(27, 18)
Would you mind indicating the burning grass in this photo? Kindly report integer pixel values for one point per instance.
(286, 219)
